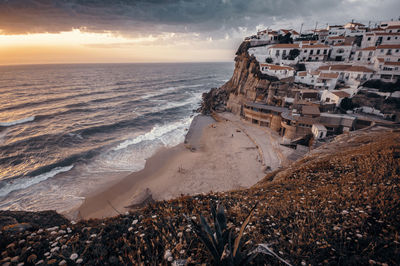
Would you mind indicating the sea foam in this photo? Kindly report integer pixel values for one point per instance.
(16, 122)
(26, 182)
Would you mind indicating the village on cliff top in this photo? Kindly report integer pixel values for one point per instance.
(317, 83)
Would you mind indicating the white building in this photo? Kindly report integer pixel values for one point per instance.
(349, 74)
(387, 70)
(386, 24)
(335, 97)
(340, 52)
(392, 29)
(388, 52)
(314, 52)
(280, 52)
(380, 38)
(317, 79)
(307, 77)
(319, 131)
(277, 71)
(332, 40)
(365, 55)
(327, 81)
(336, 30)
(322, 34)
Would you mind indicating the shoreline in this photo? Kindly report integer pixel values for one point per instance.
(215, 156)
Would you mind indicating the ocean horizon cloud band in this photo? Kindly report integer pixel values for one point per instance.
(209, 18)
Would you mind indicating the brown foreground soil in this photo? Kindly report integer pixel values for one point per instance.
(338, 205)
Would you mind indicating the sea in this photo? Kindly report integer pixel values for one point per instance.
(68, 130)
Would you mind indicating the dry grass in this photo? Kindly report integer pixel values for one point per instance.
(339, 205)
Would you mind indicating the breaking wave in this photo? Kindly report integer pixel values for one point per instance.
(16, 122)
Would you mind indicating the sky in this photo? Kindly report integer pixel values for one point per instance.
(125, 31)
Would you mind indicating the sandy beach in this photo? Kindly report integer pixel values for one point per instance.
(216, 156)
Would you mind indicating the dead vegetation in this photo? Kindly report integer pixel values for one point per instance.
(339, 205)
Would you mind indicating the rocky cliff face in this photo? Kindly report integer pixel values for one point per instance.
(247, 83)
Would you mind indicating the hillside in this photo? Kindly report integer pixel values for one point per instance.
(338, 205)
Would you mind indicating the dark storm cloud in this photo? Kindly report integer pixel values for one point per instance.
(155, 16)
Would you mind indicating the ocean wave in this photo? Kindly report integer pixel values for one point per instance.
(25, 182)
(16, 122)
(157, 132)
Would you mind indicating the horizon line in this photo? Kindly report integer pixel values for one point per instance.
(110, 63)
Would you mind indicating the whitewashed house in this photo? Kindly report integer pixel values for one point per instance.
(332, 40)
(327, 81)
(280, 52)
(340, 52)
(319, 131)
(317, 79)
(280, 72)
(335, 97)
(314, 52)
(307, 77)
(387, 71)
(365, 55)
(349, 74)
(392, 29)
(336, 30)
(388, 52)
(380, 38)
(322, 34)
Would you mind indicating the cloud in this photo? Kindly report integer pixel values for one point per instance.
(209, 19)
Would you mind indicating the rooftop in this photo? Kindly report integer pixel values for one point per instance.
(285, 45)
(389, 46)
(341, 94)
(329, 75)
(310, 110)
(276, 67)
(267, 107)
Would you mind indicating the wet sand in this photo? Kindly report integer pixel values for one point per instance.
(216, 156)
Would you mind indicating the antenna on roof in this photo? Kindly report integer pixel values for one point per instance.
(316, 24)
(301, 28)
(352, 21)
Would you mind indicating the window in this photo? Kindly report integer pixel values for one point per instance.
(370, 54)
(284, 53)
(277, 53)
(388, 38)
(311, 52)
(397, 50)
(318, 51)
(369, 38)
(369, 59)
(325, 51)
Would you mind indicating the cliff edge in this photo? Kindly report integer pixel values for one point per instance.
(246, 83)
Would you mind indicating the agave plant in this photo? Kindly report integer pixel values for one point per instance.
(219, 241)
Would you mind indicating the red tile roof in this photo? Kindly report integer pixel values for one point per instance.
(276, 67)
(392, 63)
(372, 48)
(315, 46)
(393, 27)
(346, 68)
(341, 94)
(329, 75)
(389, 46)
(336, 37)
(286, 45)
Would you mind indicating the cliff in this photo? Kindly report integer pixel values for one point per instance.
(246, 84)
